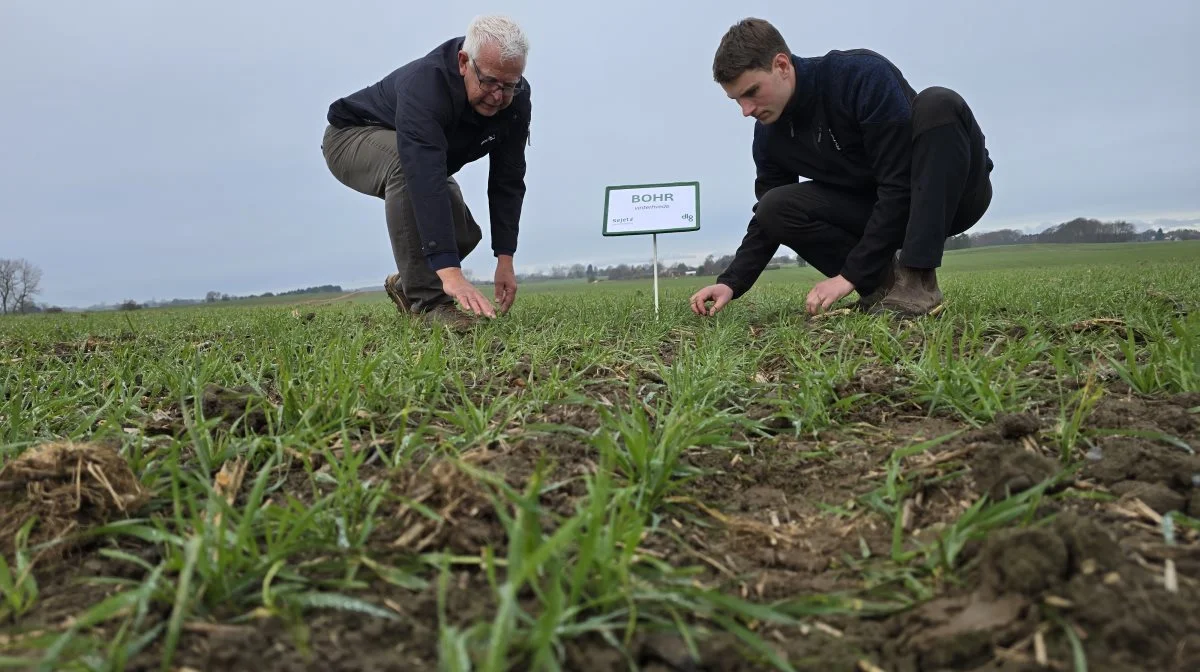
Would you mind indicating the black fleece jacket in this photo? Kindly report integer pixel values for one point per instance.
(437, 133)
(849, 123)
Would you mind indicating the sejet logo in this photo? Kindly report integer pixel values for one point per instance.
(488, 139)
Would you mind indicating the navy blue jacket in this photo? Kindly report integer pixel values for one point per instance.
(437, 133)
(848, 124)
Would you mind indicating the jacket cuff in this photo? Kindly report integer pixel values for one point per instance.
(497, 252)
(440, 260)
(734, 284)
(855, 277)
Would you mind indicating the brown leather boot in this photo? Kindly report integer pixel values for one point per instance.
(396, 294)
(914, 293)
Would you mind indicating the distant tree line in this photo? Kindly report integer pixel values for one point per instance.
(213, 297)
(711, 266)
(1079, 230)
(217, 297)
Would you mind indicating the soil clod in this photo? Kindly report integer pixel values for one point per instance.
(67, 487)
(1024, 561)
(1004, 470)
(1155, 495)
(1139, 460)
(959, 632)
(1016, 425)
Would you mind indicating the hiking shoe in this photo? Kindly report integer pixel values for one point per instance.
(914, 293)
(872, 298)
(396, 293)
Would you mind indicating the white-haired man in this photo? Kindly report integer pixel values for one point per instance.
(403, 138)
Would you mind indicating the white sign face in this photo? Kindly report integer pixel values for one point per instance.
(651, 208)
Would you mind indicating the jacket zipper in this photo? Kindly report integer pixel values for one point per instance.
(821, 133)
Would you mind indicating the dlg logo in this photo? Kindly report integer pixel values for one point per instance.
(688, 216)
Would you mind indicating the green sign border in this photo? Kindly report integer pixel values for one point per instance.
(608, 192)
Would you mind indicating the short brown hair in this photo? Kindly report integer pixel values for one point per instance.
(750, 44)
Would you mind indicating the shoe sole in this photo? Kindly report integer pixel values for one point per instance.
(878, 309)
(397, 298)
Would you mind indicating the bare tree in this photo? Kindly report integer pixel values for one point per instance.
(8, 278)
(20, 281)
(29, 280)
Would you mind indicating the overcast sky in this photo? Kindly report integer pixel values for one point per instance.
(159, 149)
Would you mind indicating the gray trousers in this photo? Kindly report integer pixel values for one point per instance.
(366, 160)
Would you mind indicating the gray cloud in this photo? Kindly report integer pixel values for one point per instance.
(158, 150)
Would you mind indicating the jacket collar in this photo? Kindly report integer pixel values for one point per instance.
(800, 106)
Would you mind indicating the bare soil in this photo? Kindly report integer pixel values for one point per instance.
(785, 520)
(1094, 566)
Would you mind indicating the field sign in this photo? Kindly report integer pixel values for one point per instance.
(640, 209)
(651, 209)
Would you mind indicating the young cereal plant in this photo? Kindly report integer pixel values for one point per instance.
(238, 560)
(976, 382)
(702, 379)
(480, 423)
(131, 606)
(1072, 414)
(805, 394)
(888, 499)
(984, 516)
(18, 586)
(588, 578)
(647, 454)
(1172, 361)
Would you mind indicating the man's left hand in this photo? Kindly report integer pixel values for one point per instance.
(506, 282)
(827, 293)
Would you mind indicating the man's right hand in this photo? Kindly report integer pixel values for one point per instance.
(456, 285)
(719, 294)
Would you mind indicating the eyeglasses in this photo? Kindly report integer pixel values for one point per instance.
(490, 84)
